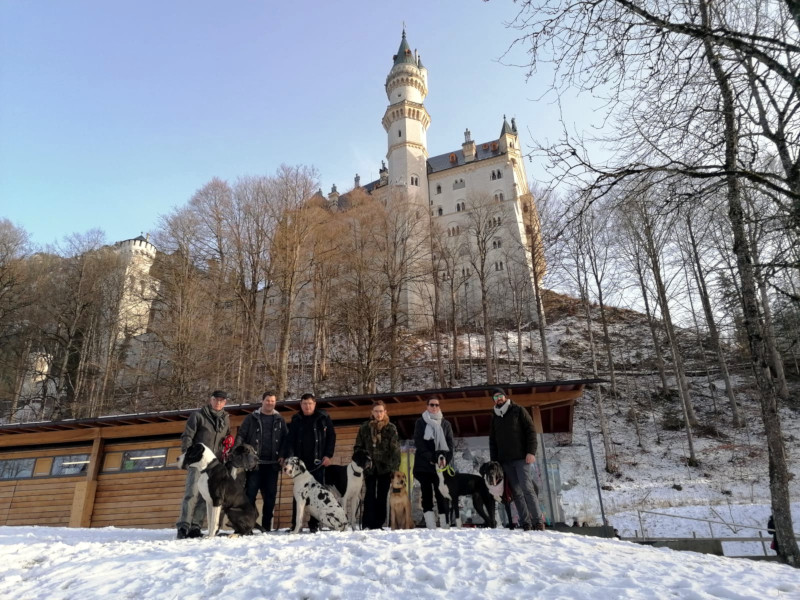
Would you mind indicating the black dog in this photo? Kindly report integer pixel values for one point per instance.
(495, 479)
(453, 485)
(348, 480)
(221, 493)
(242, 458)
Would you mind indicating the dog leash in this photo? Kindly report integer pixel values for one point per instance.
(448, 469)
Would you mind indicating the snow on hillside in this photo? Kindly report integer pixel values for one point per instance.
(79, 564)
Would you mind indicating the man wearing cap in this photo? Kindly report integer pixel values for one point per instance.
(265, 430)
(210, 426)
(512, 443)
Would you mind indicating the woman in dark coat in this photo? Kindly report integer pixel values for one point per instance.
(433, 435)
(378, 438)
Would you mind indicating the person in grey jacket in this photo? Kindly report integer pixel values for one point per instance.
(265, 430)
(512, 443)
(210, 426)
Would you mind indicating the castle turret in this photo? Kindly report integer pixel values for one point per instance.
(406, 123)
(508, 136)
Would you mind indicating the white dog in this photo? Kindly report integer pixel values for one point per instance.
(320, 501)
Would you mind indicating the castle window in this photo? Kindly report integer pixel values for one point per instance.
(494, 175)
(440, 211)
(500, 173)
(458, 207)
(458, 184)
(399, 133)
(438, 189)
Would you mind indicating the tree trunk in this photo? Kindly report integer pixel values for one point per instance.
(712, 326)
(778, 469)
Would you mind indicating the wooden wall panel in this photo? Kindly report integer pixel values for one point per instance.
(146, 499)
(38, 502)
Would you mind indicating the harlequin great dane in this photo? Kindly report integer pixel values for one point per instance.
(309, 493)
(348, 480)
(220, 491)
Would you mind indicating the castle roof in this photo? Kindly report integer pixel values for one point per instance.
(450, 160)
(506, 128)
(404, 54)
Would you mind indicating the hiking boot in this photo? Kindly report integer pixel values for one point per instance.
(526, 527)
(538, 526)
(194, 532)
(183, 533)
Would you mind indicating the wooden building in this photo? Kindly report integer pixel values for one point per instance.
(113, 470)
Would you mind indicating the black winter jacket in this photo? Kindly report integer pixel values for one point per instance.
(206, 427)
(250, 432)
(385, 454)
(310, 438)
(512, 436)
(425, 455)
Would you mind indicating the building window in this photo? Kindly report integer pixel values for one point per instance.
(17, 468)
(73, 464)
(440, 211)
(458, 207)
(494, 175)
(499, 172)
(498, 266)
(438, 189)
(144, 460)
(399, 134)
(458, 184)
(497, 243)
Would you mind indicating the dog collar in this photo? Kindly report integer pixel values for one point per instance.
(397, 490)
(356, 473)
(448, 469)
(211, 464)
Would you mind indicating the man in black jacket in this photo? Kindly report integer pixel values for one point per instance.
(265, 430)
(512, 443)
(312, 439)
(210, 426)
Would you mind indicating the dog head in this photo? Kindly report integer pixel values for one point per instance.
(198, 456)
(441, 461)
(293, 467)
(244, 457)
(492, 474)
(362, 460)
(399, 482)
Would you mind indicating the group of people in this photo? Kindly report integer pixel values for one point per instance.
(311, 437)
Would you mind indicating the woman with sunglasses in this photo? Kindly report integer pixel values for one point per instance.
(433, 435)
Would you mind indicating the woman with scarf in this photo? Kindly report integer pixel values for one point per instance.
(378, 438)
(432, 436)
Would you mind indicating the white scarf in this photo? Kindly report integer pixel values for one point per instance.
(500, 411)
(433, 430)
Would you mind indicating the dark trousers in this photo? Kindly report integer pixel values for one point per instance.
(375, 498)
(429, 484)
(313, 524)
(264, 480)
(518, 474)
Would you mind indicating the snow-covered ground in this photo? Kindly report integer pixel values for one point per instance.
(80, 564)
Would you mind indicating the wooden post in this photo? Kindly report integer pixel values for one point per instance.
(83, 498)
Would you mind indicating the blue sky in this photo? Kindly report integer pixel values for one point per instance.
(113, 113)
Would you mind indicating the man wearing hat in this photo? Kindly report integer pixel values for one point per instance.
(512, 443)
(210, 426)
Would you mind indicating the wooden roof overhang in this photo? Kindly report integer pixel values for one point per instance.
(467, 408)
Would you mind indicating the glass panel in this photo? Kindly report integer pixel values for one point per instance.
(73, 464)
(18, 468)
(140, 460)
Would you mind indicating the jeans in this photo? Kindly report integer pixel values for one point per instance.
(264, 479)
(429, 485)
(375, 499)
(519, 478)
(193, 507)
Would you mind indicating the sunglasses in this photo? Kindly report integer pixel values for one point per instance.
(499, 396)
(434, 405)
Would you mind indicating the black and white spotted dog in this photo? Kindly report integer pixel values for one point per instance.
(220, 491)
(312, 495)
(348, 481)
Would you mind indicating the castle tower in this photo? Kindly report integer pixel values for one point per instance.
(137, 256)
(406, 123)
